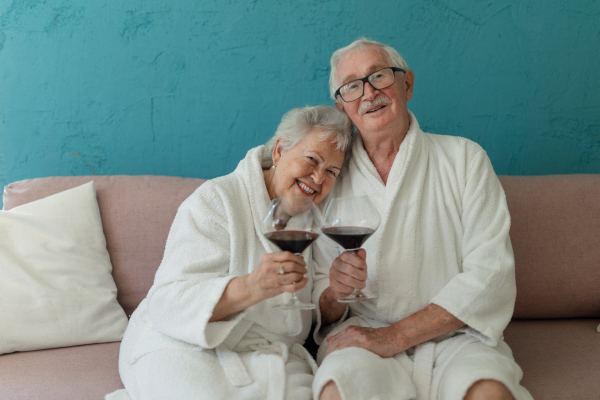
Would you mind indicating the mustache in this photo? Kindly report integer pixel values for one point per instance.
(379, 100)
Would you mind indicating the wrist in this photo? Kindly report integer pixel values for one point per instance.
(331, 309)
(251, 293)
(401, 342)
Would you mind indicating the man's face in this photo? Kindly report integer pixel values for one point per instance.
(368, 116)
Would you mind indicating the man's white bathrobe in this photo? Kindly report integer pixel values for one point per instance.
(443, 239)
(171, 351)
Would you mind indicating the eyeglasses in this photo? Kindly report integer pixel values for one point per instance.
(381, 79)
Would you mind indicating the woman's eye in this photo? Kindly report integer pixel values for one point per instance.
(332, 173)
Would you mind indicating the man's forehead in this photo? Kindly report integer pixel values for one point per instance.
(359, 63)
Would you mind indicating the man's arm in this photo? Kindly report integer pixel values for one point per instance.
(424, 325)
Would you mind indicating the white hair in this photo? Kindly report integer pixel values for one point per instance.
(361, 44)
(298, 122)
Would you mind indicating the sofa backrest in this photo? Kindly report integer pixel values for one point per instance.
(555, 234)
(136, 211)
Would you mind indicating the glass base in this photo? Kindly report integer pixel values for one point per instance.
(356, 298)
(295, 304)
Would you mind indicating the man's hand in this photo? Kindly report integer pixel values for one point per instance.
(417, 328)
(348, 272)
(381, 341)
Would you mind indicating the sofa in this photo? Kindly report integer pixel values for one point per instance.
(555, 235)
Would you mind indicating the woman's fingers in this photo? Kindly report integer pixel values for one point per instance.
(289, 267)
(295, 285)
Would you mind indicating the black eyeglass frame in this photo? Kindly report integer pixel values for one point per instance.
(365, 80)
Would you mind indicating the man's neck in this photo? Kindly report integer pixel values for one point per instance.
(382, 150)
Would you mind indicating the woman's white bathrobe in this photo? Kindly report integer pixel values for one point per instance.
(171, 351)
(443, 239)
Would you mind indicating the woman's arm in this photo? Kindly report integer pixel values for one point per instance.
(264, 282)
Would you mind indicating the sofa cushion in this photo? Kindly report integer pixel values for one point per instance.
(136, 211)
(560, 358)
(56, 287)
(555, 233)
(73, 373)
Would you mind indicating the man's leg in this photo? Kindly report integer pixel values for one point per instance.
(330, 392)
(488, 389)
(358, 374)
(478, 372)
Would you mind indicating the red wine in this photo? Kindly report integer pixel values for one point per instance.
(349, 237)
(292, 241)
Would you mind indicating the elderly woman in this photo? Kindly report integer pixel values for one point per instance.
(207, 328)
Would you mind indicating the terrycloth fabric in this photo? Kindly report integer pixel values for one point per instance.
(215, 237)
(434, 370)
(443, 239)
(118, 395)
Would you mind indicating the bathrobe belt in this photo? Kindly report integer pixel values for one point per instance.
(237, 373)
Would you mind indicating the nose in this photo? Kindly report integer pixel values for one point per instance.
(369, 91)
(317, 176)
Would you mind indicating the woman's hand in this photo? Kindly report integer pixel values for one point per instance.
(267, 280)
(348, 272)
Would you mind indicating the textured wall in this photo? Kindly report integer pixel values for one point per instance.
(186, 87)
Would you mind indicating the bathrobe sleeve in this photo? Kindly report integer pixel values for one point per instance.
(483, 294)
(325, 251)
(194, 272)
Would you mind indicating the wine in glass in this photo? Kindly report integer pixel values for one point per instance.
(350, 221)
(292, 223)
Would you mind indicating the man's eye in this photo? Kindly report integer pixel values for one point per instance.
(311, 159)
(351, 86)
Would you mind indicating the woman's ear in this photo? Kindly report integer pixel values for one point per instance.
(277, 151)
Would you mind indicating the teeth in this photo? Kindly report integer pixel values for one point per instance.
(375, 109)
(305, 188)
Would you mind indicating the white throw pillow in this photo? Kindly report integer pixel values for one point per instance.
(56, 287)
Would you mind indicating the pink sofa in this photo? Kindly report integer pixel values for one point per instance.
(556, 240)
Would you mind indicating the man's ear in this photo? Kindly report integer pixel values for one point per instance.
(340, 107)
(277, 151)
(409, 82)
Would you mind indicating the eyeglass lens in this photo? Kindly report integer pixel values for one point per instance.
(378, 79)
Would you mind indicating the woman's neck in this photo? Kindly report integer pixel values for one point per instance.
(268, 174)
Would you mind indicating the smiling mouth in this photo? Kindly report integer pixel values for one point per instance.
(304, 188)
(375, 109)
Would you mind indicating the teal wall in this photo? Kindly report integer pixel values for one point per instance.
(186, 87)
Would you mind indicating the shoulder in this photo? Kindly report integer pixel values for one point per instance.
(232, 187)
(454, 152)
(455, 146)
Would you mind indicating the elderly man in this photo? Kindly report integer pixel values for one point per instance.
(441, 263)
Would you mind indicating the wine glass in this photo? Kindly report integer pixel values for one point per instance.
(349, 221)
(292, 223)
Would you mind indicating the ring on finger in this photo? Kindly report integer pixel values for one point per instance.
(281, 270)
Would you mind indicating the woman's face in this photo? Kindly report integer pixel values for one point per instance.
(307, 169)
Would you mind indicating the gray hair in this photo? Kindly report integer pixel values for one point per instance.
(297, 122)
(361, 44)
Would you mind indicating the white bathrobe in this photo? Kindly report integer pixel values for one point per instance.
(443, 239)
(170, 350)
